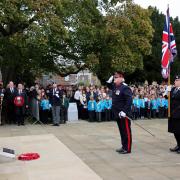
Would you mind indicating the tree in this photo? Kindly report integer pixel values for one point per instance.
(69, 35)
(25, 30)
(116, 37)
(128, 36)
(152, 62)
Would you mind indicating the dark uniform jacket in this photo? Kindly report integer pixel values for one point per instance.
(121, 99)
(174, 121)
(55, 97)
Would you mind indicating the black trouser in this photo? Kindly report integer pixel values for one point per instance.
(161, 112)
(79, 107)
(107, 114)
(98, 116)
(153, 113)
(142, 112)
(84, 113)
(177, 137)
(44, 115)
(135, 115)
(91, 116)
(20, 115)
(63, 114)
(124, 125)
(11, 114)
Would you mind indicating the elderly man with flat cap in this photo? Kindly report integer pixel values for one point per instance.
(174, 120)
(121, 107)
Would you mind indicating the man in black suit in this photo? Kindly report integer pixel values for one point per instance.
(9, 102)
(21, 104)
(1, 101)
(55, 97)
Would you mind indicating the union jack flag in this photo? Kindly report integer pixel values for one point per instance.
(169, 50)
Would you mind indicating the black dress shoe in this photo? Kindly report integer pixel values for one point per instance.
(124, 152)
(175, 149)
(178, 151)
(119, 150)
(55, 125)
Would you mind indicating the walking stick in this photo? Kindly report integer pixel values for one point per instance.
(169, 97)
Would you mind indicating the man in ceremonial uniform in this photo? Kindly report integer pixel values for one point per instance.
(121, 107)
(174, 120)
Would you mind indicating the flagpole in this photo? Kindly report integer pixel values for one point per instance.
(169, 97)
(169, 78)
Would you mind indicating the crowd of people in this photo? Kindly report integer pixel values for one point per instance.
(50, 104)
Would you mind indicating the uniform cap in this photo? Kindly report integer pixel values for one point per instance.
(119, 73)
(177, 77)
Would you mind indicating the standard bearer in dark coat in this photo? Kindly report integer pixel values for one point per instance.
(174, 120)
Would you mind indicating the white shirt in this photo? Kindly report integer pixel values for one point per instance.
(77, 95)
(11, 89)
(20, 91)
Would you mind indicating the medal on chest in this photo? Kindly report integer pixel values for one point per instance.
(117, 92)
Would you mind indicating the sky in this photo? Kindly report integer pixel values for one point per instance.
(174, 9)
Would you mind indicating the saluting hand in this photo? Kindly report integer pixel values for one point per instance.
(110, 80)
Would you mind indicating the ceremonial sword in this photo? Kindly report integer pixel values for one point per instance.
(140, 126)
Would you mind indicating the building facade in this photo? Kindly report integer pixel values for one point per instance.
(84, 77)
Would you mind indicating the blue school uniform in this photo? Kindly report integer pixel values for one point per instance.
(154, 104)
(108, 104)
(45, 105)
(99, 106)
(142, 103)
(91, 109)
(154, 108)
(91, 105)
(136, 102)
(166, 103)
(161, 102)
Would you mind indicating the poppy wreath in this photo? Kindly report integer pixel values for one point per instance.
(28, 156)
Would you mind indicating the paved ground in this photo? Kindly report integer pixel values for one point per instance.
(56, 161)
(95, 144)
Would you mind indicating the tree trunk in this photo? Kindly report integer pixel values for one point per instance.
(8, 74)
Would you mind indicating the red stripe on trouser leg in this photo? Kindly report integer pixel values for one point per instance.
(128, 134)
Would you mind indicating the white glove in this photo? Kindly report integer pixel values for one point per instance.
(165, 93)
(122, 114)
(169, 88)
(110, 80)
(57, 95)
